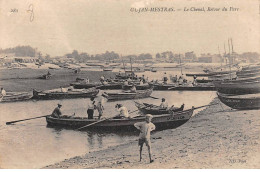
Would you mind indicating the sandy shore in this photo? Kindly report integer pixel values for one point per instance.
(217, 137)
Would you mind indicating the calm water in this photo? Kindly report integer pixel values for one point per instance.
(31, 144)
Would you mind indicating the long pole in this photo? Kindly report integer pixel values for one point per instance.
(229, 59)
(220, 56)
(123, 63)
(180, 63)
(11, 122)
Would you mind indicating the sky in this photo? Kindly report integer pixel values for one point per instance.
(96, 26)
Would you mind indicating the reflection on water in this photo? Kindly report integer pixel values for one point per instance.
(31, 144)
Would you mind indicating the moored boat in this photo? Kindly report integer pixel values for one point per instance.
(242, 102)
(69, 94)
(138, 87)
(185, 87)
(238, 88)
(146, 108)
(15, 96)
(164, 121)
(128, 95)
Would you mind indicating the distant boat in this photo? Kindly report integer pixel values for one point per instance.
(15, 96)
(128, 95)
(58, 94)
(241, 102)
(153, 70)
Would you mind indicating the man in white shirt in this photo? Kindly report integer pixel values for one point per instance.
(3, 92)
(145, 134)
(123, 112)
(164, 104)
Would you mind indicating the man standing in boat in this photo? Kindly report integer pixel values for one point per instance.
(57, 112)
(100, 107)
(91, 108)
(165, 78)
(145, 134)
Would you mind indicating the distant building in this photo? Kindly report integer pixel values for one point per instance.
(205, 58)
(189, 57)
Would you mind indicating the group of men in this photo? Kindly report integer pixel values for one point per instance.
(145, 127)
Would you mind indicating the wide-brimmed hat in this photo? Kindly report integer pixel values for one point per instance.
(149, 116)
(59, 104)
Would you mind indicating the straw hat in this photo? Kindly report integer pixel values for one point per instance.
(149, 116)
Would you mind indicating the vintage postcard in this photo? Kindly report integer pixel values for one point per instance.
(129, 84)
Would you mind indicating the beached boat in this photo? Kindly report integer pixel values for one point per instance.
(211, 73)
(82, 85)
(185, 87)
(248, 71)
(16, 96)
(128, 95)
(242, 102)
(138, 87)
(165, 121)
(204, 80)
(45, 77)
(146, 108)
(248, 75)
(69, 94)
(238, 88)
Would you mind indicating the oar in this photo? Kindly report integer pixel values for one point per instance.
(11, 122)
(101, 121)
(153, 97)
(205, 106)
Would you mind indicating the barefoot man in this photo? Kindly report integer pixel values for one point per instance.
(144, 137)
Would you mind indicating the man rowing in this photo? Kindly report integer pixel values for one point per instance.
(57, 112)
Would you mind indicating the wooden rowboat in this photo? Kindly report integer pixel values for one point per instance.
(125, 95)
(47, 95)
(238, 88)
(242, 102)
(138, 87)
(176, 87)
(146, 108)
(165, 121)
(15, 96)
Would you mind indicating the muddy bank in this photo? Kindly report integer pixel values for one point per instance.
(217, 137)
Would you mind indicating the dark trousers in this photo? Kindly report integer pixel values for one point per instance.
(90, 113)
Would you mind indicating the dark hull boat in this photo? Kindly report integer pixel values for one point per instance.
(47, 95)
(241, 102)
(175, 87)
(238, 88)
(166, 121)
(109, 86)
(204, 80)
(248, 75)
(125, 95)
(156, 110)
(211, 73)
(15, 96)
(138, 87)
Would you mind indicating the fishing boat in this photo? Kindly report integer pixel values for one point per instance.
(47, 76)
(82, 85)
(164, 121)
(146, 108)
(204, 80)
(137, 86)
(241, 102)
(248, 71)
(238, 88)
(241, 80)
(128, 95)
(223, 76)
(15, 96)
(69, 94)
(247, 75)
(184, 87)
(153, 70)
(211, 73)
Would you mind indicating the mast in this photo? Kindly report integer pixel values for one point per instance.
(180, 63)
(131, 64)
(225, 53)
(229, 58)
(220, 56)
(123, 63)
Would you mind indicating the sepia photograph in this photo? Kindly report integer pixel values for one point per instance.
(130, 84)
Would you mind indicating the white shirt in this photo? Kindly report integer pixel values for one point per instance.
(145, 129)
(91, 105)
(123, 112)
(3, 92)
(164, 105)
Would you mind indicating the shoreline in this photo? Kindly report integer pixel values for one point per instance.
(216, 137)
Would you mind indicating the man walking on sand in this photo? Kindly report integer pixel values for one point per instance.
(145, 133)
